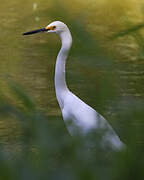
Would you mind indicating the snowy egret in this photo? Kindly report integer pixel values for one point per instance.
(79, 117)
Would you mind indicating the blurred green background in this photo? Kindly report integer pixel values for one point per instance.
(105, 69)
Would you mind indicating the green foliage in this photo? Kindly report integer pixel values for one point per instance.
(46, 151)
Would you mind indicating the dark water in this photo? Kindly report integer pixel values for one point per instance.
(105, 73)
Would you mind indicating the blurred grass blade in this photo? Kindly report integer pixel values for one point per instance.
(128, 31)
(20, 94)
(8, 109)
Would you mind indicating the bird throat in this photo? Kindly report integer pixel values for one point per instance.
(60, 80)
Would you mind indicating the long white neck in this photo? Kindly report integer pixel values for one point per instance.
(60, 82)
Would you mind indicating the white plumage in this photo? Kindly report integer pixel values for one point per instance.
(79, 117)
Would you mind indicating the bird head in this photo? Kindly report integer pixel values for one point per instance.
(54, 27)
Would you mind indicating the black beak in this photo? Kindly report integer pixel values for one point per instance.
(35, 31)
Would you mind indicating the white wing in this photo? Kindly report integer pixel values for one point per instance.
(81, 119)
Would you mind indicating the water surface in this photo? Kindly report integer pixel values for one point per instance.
(102, 71)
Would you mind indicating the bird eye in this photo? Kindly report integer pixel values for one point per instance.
(53, 27)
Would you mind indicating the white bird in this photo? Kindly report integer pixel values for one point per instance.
(80, 118)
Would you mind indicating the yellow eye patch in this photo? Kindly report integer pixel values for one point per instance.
(50, 28)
